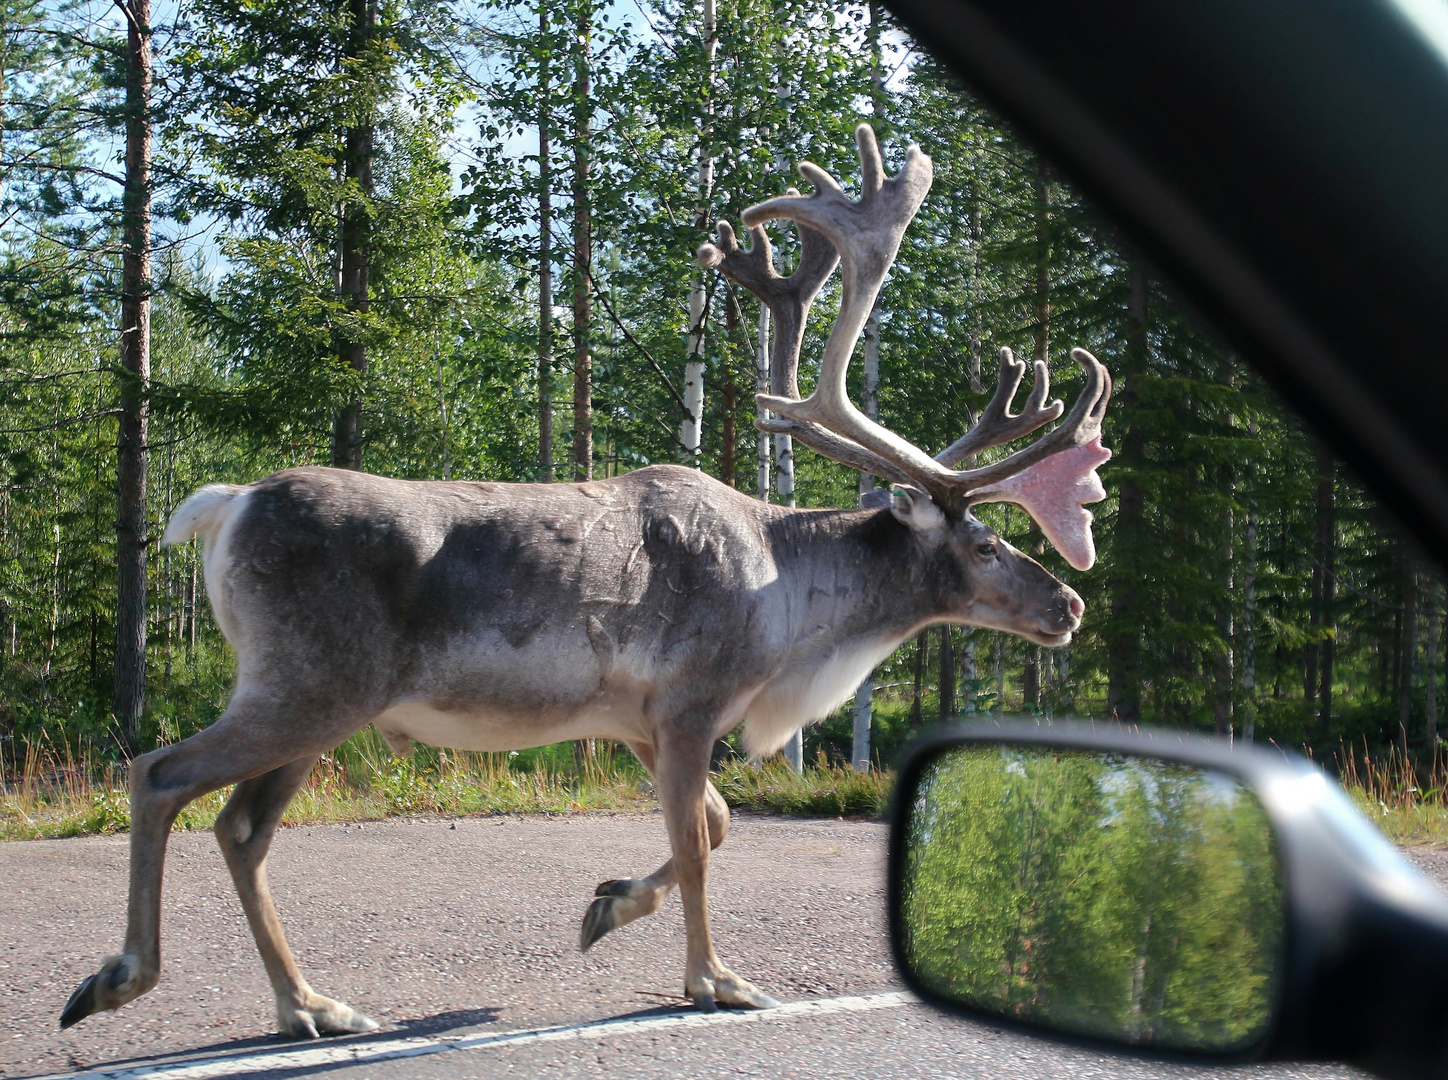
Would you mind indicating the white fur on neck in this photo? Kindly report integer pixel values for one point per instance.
(809, 690)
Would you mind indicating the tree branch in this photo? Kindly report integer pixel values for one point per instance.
(678, 398)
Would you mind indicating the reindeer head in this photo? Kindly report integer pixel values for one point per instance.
(979, 579)
(999, 587)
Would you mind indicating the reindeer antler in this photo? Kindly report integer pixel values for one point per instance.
(996, 425)
(789, 300)
(867, 234)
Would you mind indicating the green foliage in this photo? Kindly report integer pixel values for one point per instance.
(273, 92)
(1206, 610)
(1122, 898)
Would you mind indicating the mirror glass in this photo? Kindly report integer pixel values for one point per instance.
(1107, 895)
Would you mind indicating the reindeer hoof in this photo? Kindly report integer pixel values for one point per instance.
(115, 984)
(351, 1022)
(752, 999)
(81, 1004)
(705, 1003)
(736, 993)
(601, 917)
(322, 1016)
(619, 902)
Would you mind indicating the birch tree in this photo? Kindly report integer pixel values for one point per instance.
(545, 246)
(582, 243)
(869, 397)
(692, 430)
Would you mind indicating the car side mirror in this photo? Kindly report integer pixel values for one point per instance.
(1165, 894)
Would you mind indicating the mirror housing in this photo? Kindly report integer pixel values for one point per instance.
(1363, 973)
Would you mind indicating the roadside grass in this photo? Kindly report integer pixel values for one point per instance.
(56, 795)
(1408, 800)
(820, 790)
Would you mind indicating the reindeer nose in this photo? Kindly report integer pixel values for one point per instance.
(1076, 606)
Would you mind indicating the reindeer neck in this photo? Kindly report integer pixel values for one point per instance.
(860, 572)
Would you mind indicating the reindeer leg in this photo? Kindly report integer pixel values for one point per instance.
(244, 830)
(253, 737)
(683, 774)
(623, 900)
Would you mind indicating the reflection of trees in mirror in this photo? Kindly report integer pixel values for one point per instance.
(1118, 897)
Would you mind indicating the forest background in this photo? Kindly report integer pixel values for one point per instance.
(453, 239)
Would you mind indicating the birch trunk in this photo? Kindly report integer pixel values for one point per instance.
(969, 675)
(1000, 675)
(974, 290)
(860, 751)
(690, 434)
(784, 469)
(728, 435)
(922, 649)
(582, 250)
(168, 584)
(863, 714)
(545, 259)
(761, 386)
(784, 485)
(583, 749)
(191, 600)
(131, 441)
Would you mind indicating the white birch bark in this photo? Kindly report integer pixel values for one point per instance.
(690, 434)
(1000, 676)
(969, 704)
(784, 487)
(761, 386)
(860, 750)
(784, 469)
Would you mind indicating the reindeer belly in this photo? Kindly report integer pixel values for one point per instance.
(616, 712)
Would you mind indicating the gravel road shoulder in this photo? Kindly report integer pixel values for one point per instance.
(445, 928)
(430, 926)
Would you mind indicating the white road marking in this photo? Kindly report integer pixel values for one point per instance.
(360, 1052)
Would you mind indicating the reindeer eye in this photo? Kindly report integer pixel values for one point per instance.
(986, 551)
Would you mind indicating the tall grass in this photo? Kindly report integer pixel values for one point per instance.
(56, 795)
(1407, 798)
(823, 789)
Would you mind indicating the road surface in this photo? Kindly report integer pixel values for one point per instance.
(460, 938)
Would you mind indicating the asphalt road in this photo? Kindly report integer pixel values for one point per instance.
(460, 938)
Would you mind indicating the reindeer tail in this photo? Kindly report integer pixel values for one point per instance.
(205, 512)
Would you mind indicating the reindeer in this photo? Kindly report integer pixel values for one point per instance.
(660, 608)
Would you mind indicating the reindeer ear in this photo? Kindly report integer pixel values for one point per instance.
(913, 508)
(877, 498)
